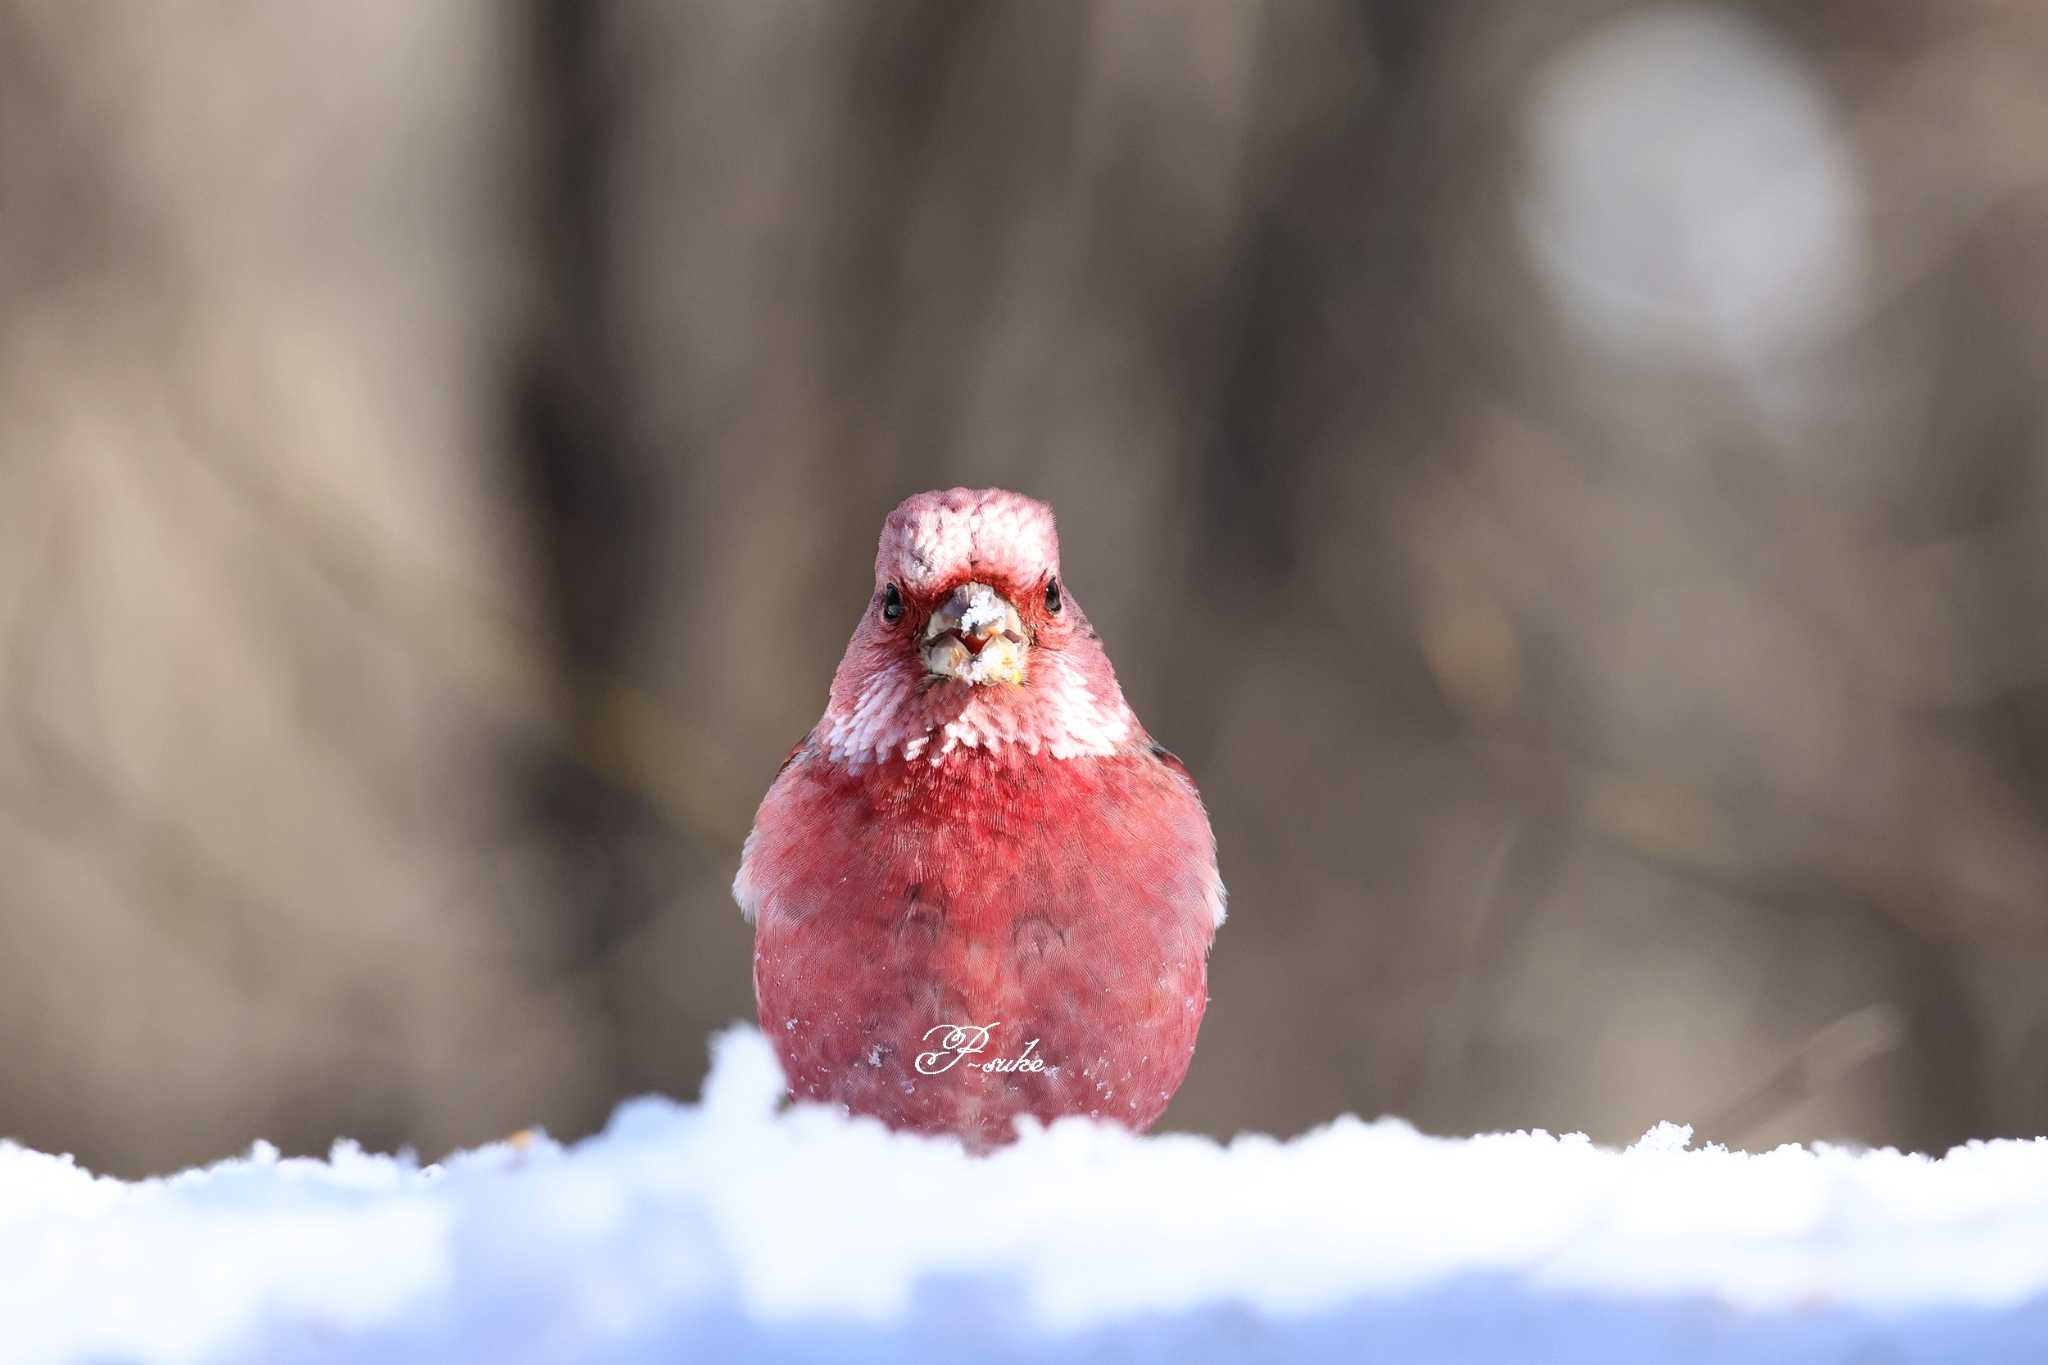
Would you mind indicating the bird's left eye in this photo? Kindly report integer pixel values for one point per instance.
(892, 605)
(1053, 600)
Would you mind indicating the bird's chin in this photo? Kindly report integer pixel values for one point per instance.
(1000, 661)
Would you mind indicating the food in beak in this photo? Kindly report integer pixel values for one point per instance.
(977, 637)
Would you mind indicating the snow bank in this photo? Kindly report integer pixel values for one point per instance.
(731, 1230)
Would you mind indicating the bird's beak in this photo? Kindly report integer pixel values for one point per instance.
(976, 636)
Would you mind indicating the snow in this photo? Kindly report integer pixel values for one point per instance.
(984, 609)
(738, 1228)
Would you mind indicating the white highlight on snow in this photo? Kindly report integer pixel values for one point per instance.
(732, 1230)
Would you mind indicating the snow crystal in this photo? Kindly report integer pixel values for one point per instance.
(742, 1228)
(984, 609)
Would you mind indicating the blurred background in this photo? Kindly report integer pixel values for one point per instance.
(1570, 480)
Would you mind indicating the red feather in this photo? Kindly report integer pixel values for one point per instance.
(1066, 904)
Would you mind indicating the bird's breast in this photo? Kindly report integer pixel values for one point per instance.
(1056, 909)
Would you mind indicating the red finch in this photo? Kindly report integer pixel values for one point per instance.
(979, 889)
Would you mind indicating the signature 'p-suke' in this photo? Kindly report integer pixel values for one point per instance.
(979, 828)
(955, 1043)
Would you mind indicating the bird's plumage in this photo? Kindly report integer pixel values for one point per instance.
(1011, 855)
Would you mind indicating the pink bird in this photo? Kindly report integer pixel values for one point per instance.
(979, 889)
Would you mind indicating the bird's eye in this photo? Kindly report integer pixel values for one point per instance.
(892, 605)
(1053, 600)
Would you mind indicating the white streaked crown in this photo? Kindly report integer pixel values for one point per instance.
(934, 537)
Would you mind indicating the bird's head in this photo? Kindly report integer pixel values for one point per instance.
(972, 637)
(966, 584)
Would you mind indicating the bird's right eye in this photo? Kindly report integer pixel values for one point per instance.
(892, 605)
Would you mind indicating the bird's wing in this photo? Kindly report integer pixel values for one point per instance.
(1171, 760)
(743, 888)
(1215, 896)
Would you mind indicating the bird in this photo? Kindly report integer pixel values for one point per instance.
(980, 890)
